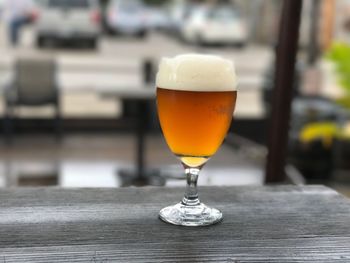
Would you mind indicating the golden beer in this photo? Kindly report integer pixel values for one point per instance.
(196, 97)
(195, 123)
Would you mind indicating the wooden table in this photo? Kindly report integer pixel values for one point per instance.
(261, 224)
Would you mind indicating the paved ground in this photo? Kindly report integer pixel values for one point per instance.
(82, 73)
(84, 160)
(93, 160)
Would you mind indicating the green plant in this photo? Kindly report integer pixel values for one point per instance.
(339, 54)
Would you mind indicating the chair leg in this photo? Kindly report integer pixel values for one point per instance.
(58, 125)
(8, 125)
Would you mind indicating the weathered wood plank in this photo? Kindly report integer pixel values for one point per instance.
(261, 224)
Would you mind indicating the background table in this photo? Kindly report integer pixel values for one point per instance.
(141, 96)
(261, 224)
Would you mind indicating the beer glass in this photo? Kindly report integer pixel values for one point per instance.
(196, 96)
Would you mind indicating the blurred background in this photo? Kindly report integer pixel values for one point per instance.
(77, 90)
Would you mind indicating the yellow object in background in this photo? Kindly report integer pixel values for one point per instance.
(325, 131)
(345, 132)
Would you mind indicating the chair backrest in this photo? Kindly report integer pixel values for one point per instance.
(36, 80)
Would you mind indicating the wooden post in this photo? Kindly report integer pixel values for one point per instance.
(327, 23)
(282, 97)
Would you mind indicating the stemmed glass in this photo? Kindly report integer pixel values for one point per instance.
(196, 96)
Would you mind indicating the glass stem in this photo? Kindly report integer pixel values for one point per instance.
(191, 194)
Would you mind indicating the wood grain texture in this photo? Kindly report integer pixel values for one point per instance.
(261, 224)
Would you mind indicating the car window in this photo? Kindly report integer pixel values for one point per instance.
(40, 3)
(69, 3)
(128, 5)
(131, 6)
(223, 14)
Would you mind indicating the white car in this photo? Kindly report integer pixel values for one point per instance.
(219, 25)
(178, 12)
(127, 17)
(2, 2)
(62, 20)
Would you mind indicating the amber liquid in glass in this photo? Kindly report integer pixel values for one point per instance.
(195, 123)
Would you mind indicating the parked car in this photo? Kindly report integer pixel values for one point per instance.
(127, 17)
(177, 13)
(215, 25)
(67, 20)
(158, 19)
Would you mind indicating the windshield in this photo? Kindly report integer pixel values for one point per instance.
(128, 5)
(69, 3)
(223, 14)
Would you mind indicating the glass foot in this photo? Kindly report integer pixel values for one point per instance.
(196, 215)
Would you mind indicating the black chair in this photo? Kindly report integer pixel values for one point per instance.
(34, 84)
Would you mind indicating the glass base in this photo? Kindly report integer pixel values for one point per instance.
(196, 215)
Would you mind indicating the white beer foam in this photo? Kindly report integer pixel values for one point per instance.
(194, 72)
